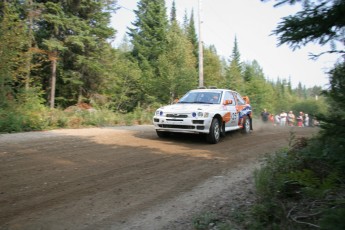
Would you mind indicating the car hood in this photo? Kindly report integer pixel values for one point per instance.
(186, 108)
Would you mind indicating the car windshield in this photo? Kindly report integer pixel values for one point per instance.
(196, 97)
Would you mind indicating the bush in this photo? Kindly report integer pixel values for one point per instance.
(29, 114)
(298, 187)
(25, 113)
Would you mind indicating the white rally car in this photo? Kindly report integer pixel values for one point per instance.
(205, 111)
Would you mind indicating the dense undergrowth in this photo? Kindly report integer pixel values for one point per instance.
(299, 187)
(20, 119)
(303, 185)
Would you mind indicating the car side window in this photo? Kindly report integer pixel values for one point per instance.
(240, 99)
(229, 96)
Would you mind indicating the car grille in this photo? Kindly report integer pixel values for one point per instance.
(174, 119)
(177, 115)
(177, 126)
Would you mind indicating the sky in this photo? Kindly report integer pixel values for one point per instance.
(252, 23)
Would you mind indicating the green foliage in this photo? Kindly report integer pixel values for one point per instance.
(213, 75)
(333, 219)
(176, 66)
(260, 92)
(311, 106)
(190, 32)
(319, 21)
(149, 39)
(295, 182)
(12, 57)
(149, 32)
(25, 113)
(204, 221)
(121, 86)
(234, 75)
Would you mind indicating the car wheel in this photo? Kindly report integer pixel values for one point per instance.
(162, 134)
(214, 136)
(246, 125)
(222, 133)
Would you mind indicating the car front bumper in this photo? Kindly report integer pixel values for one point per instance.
(182, 125)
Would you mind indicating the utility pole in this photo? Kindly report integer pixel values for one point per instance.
(201, 50)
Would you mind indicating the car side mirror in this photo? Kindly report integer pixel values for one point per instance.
(227, 102)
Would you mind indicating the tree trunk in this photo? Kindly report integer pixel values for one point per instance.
(53, 82)
(29, 58)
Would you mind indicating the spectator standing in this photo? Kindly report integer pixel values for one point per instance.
(271, 118)
(300, 119)
(283, 117)
(306, 120)
(265, 115)
(276, 119)
(291, 119)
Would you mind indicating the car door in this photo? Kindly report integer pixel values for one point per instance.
(231, 116)
(240, 108)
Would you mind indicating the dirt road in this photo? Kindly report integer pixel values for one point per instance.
(121, 178)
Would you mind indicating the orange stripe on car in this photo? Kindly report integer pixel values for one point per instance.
(227, 117)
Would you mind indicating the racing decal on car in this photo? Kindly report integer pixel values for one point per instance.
(234, 117)
(244, 110)
(227, 117)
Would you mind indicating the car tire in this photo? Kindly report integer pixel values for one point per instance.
(162, 134)
(246, 125)
(222, 133)
(214, 135)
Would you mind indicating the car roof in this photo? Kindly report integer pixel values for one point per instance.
(211, 90)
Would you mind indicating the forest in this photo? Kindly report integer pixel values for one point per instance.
(57, 58)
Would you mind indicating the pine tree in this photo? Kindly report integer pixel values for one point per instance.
(173, 12)
(319, 22)
(149, 32)
(12, 55)
(72, 34)
(213, 75)
(149, 38)
(176, 65)
(234, 78)
(260, 92)
(191, 34)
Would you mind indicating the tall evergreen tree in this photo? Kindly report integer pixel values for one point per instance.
(260, 92)
(234, 77)
(213, 75)
(12, 53)
(173, 12)
(149, 32)
(73, 35)
(319, 22)
(191, 35)
(149, 38)
(176, 65)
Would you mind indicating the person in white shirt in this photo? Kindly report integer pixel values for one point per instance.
(283, 116)
(276, 120)
(306, 120)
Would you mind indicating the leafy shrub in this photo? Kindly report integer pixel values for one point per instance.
(204, 221)
(24, 113)
(298, 186)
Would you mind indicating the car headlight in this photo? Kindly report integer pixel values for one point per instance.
(200, 114)
(159, 113)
